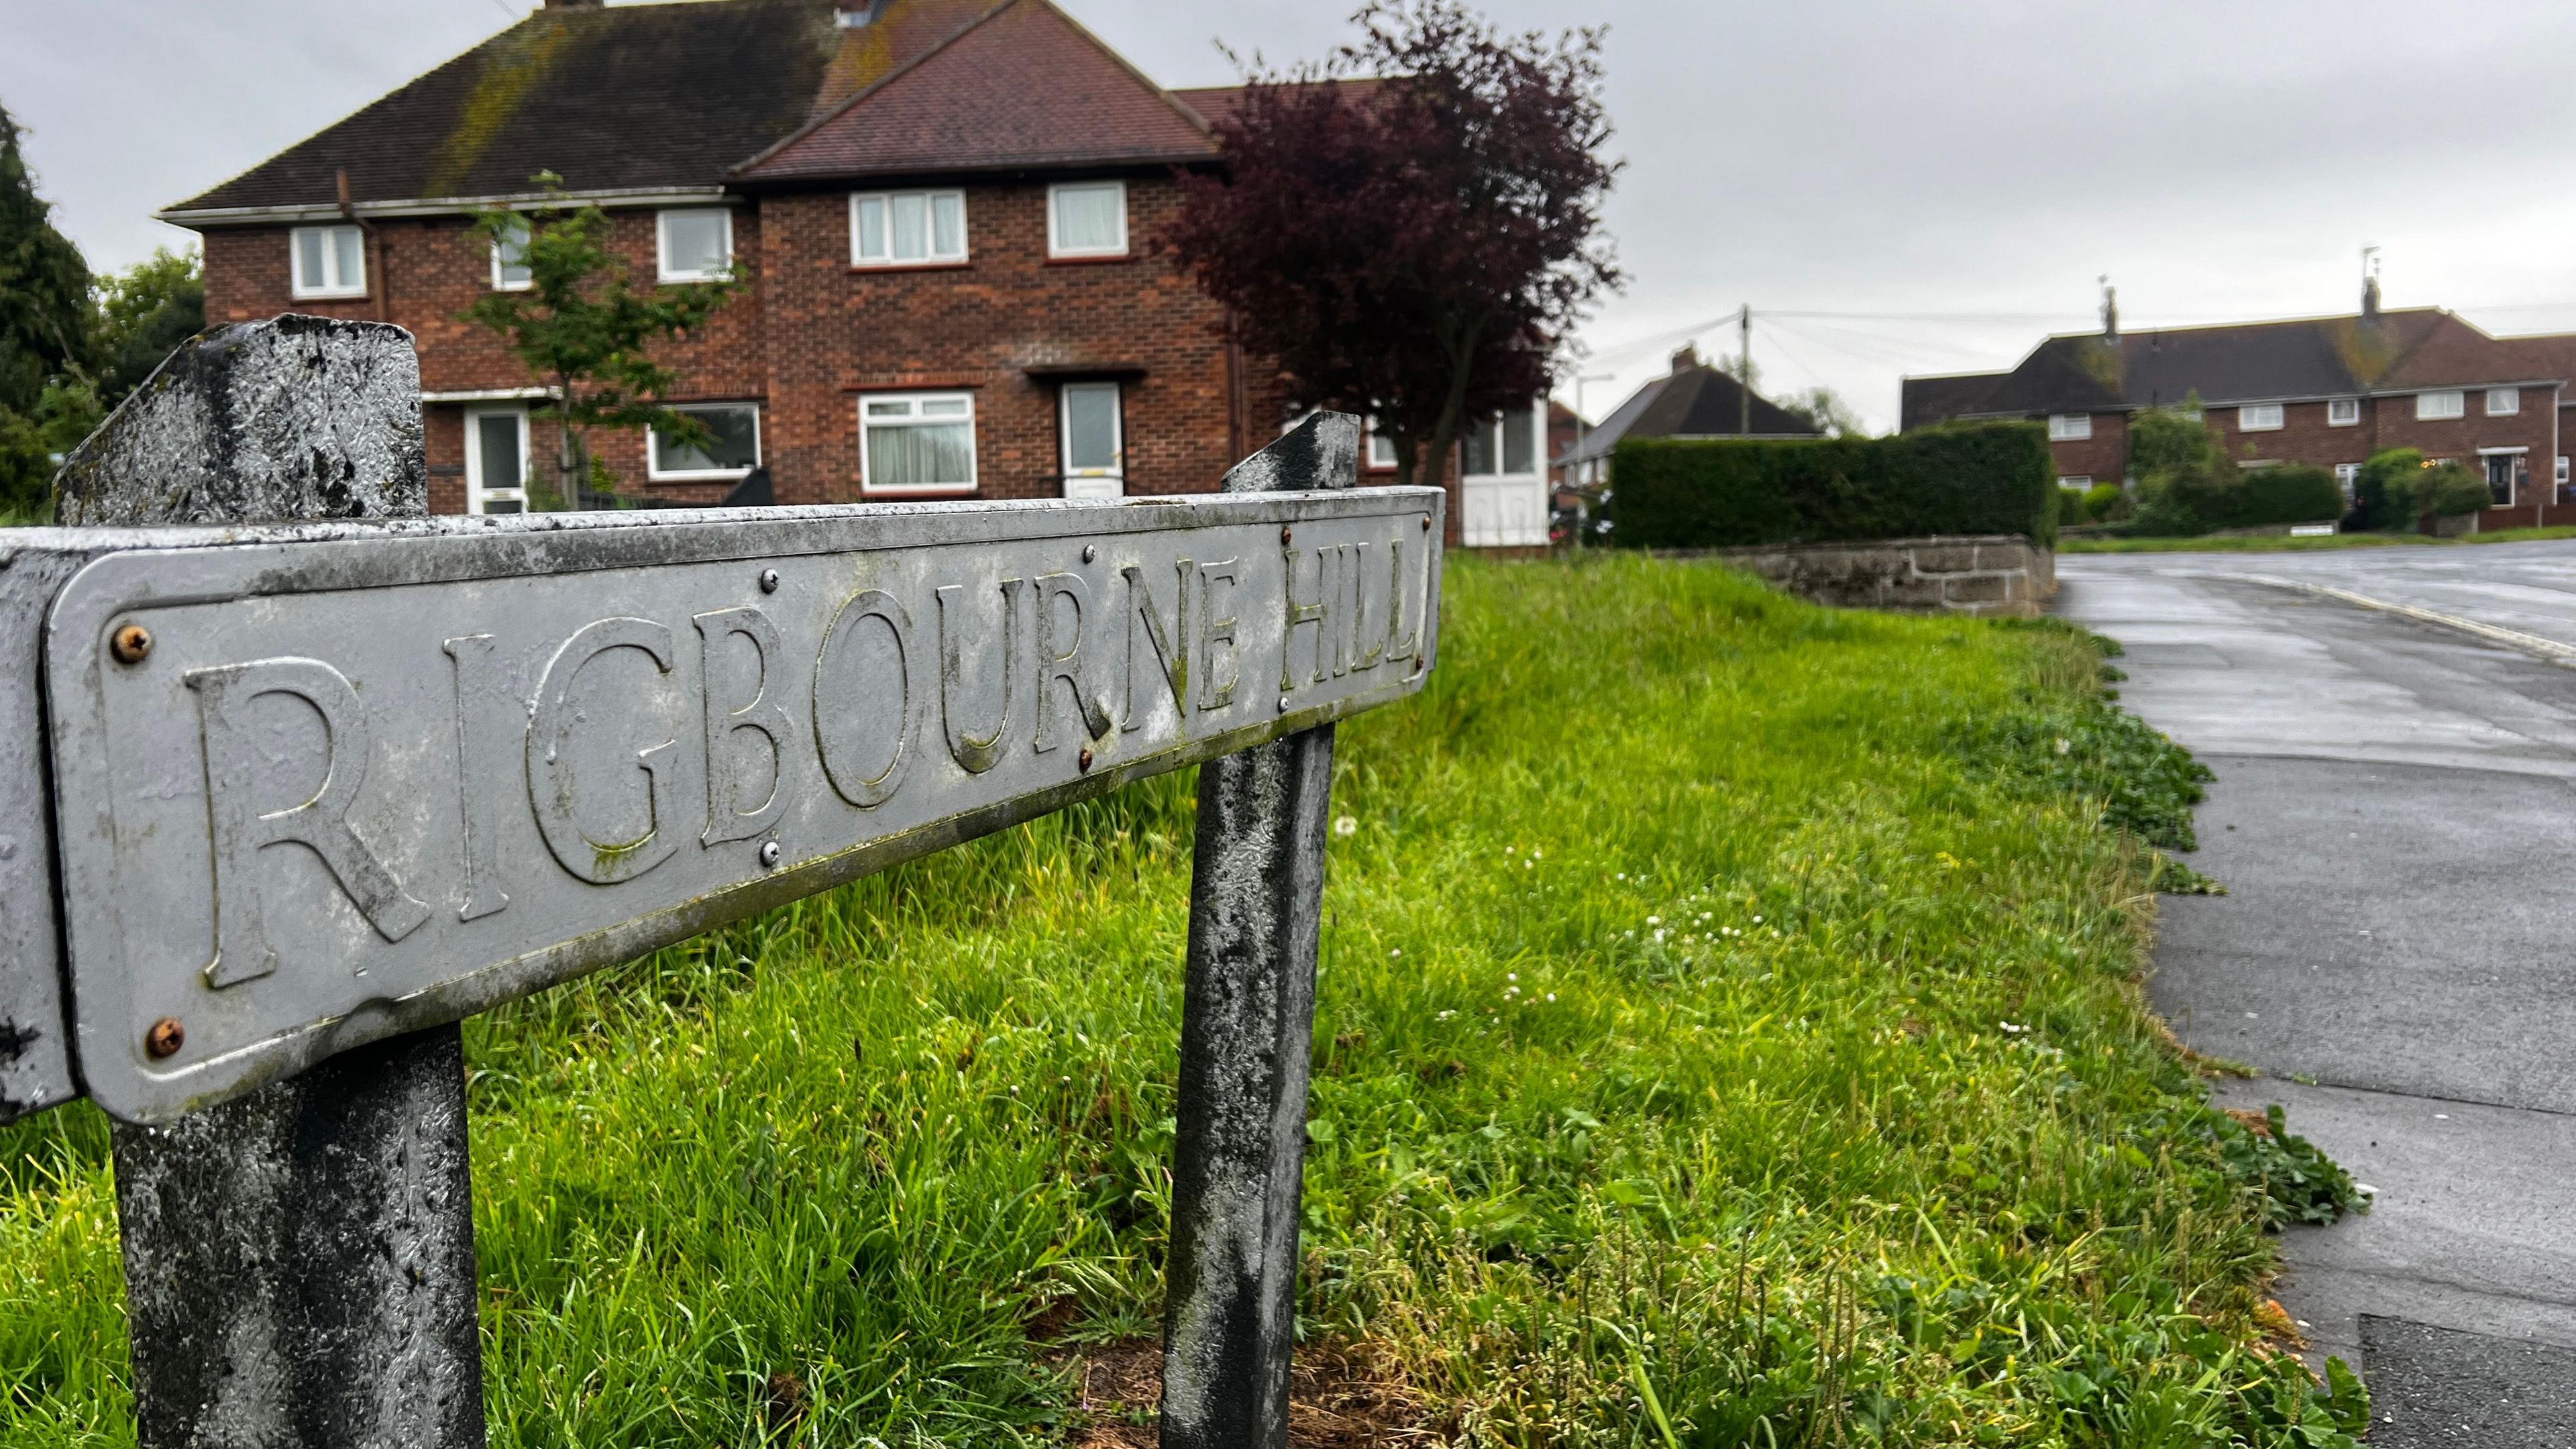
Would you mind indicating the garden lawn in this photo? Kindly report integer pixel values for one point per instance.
(1729, 1035)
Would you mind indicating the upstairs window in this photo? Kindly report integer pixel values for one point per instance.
(731, 449)
(696, 245)
(1502, 447)
(2259, 418)
(2503, 402)
(330, 261)
(2069, 427)
(907, 228)
(1087, 219)
(917, 443)
(2431, 407)
(2343, 412)
(510, 258)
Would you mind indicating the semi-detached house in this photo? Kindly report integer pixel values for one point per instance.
(2328, 391)
(940, 211)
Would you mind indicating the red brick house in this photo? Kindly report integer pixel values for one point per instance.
(2329, 391)
(939, 210)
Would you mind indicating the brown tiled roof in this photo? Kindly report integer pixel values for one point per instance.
(2242, 362)
(612, 98)
(692, 94)
(1025, 87)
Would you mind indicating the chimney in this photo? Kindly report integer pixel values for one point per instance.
(1686, 359)
(2370, 284)
(2110, 311)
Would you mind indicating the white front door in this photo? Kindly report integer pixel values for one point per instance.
(496, 460)
(1095, 452)
(1503, 477)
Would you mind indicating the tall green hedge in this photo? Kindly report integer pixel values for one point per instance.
(1959, 478)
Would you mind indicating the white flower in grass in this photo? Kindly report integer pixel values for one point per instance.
(2064, 744)
(1654, 920)
(1346, 825)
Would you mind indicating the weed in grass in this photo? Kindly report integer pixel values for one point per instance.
(1728, 1034)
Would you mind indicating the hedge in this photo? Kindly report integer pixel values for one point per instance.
(1959, 478)
(2193, 501)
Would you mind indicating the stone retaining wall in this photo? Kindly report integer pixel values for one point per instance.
(1986, 574)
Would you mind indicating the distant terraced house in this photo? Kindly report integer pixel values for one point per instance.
(940, 210)
(2328, 391)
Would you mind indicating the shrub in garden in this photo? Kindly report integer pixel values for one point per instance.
(2102, 500)
(2386, 486)
(2188, 485)
(2454, 489)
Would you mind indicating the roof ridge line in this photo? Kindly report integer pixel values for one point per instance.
(889, 78)
(1187, 113)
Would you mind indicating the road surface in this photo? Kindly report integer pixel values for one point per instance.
(2395, 819)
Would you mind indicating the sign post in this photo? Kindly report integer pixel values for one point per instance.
(317, 790)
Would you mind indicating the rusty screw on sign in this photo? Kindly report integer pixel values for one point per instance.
(1426, 523)
(1082, 762)
(1283, 535)
(130, 643)
(165, 1038)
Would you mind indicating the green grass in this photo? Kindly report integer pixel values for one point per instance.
(2284, 544)
(1728, 1035)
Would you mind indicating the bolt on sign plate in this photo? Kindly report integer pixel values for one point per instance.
(311, 794)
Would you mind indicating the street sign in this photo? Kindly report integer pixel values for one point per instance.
(314, 791)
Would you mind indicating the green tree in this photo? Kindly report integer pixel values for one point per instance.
(141, 316)
(44, 335)
(584, 327)
(1826, 409)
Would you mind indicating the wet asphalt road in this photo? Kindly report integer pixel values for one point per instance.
(2395, 819)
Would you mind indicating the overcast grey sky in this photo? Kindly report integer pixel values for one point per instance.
(1975, 163)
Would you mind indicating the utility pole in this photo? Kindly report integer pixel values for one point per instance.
(1744, 372)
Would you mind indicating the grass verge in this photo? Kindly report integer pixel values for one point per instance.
(2284, 544)
(1728, 1035)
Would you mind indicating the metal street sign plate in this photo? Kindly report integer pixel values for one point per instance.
(309, 794)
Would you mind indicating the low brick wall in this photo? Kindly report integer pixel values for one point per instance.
(1988, 574)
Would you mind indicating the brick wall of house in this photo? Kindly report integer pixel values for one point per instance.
(2104, 457)
(2303, 437)
(838, 333)
(810, 335)
(2393, 425)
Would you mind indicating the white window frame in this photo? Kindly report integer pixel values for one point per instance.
(868, 487)
(2347, 477)
(476, 495)
(662, 244)
(2261, 418)
(1055, 248)
(1116, 473)
(2511, 397)
(330, 286)
(2070, 427)
(2441, 407)
(1381, 450)
(2562, 470)
(500, 279)
(929, 198)
(652, 456)
(2343, 412)
(2083, 481)
(1538, 446)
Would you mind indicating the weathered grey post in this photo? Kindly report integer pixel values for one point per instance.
(299, 1262)
(1247, 1024)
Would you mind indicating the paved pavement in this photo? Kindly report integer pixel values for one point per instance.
(2395, 819)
